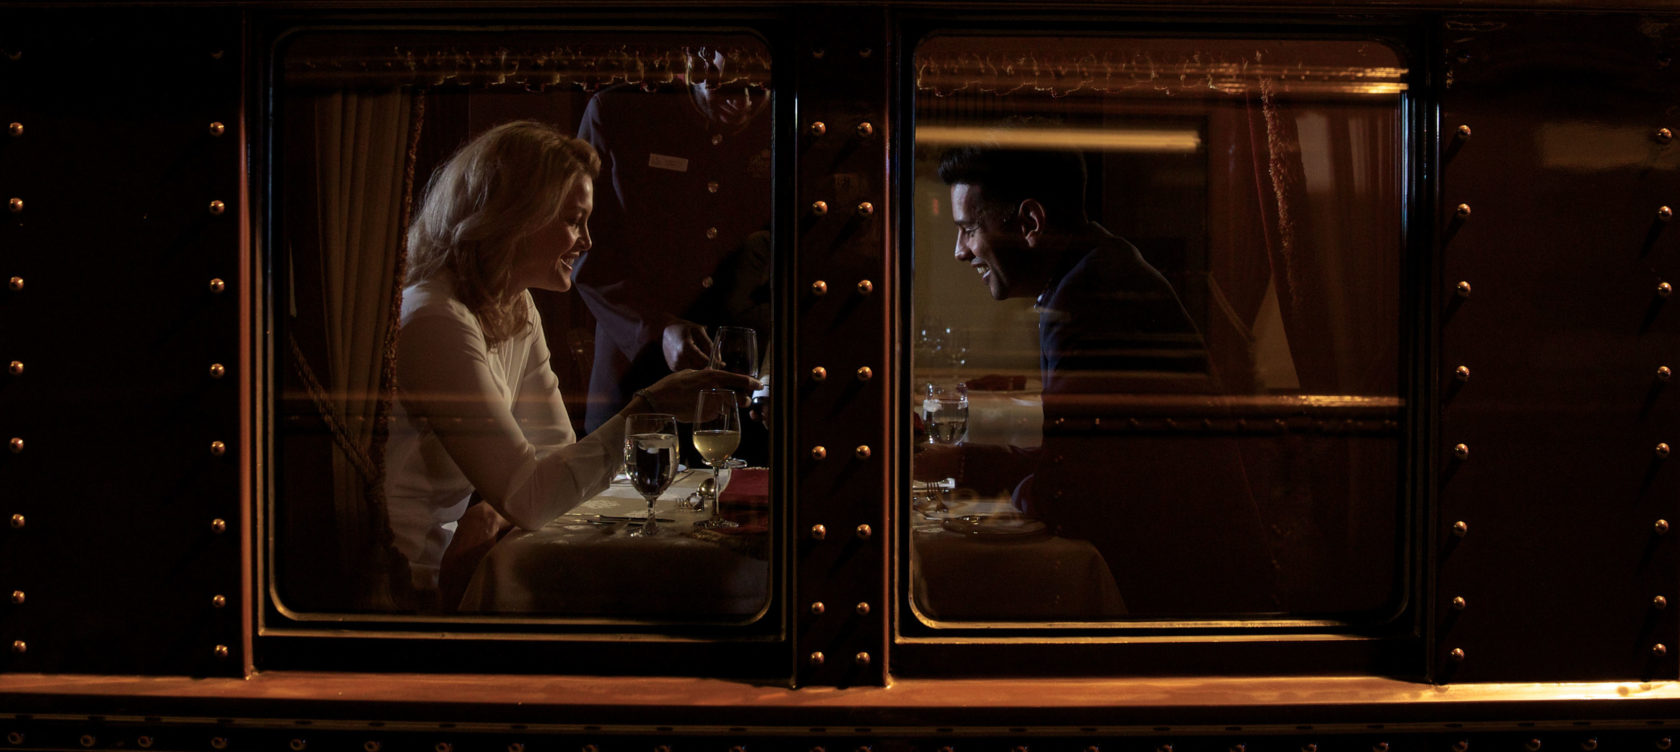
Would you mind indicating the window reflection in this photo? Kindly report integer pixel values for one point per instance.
(1156, 323)
(491, 250)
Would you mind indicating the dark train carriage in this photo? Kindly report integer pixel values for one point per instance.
(1395, 473)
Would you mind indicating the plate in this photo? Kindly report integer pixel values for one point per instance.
(995, 525)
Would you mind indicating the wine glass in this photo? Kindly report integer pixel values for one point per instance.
(945, 414)
(717, 431)
(735, 349)
(650, 459)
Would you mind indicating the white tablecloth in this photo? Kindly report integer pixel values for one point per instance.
(957, 576)
(573, 567)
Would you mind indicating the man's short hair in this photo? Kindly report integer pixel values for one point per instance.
(1006, 177)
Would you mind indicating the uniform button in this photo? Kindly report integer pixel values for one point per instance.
(711, 233)
(712, 187)
(706, 283)
(717, 138)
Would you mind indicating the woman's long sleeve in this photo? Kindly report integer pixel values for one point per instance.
(519, 453)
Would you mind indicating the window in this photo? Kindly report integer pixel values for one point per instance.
(1173, 394)
(458, 317)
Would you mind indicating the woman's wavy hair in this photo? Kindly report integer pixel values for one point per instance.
(497, 190)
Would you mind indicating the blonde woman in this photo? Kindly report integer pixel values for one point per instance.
(478, 407)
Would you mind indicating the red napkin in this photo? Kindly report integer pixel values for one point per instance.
(746, 501)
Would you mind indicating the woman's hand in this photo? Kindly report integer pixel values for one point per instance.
(675, 394)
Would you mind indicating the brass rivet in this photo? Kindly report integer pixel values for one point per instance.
(1457, 655)
(1463, 289)
(816, 658)
(1459, 604)
(817, 608)
(15, 283)
(865, 287)
(864, 531)
(218, 742)
(1462, 745)
(819, 374)
(1663, 135)
(16, 129)
(16, 445)
(443, 747)
(1533, 745)
(217, 129)
(1460, 529)
(711, 233)
(1462, 211)
(1664, 289)
(861, 659)
(218, 601)
(818, 128)
(217, 370)
(1462, 451)
(819, 532)
(221, 651)
(819, 452)
(515, 747)
(18, 597)
(1665, 743)
(865, 129)
(819, 287)
(1664, 373)
(143, 741)
(217, 207)
(1308, 747)
(217, 448)
(16, 205)
(1661, 527)
(1664, 214)
(218, 525)
(819, 208)
(1464, 131)
(20, 647)
(712, 186)
(217, 285)
(299, 745)
(88, 740)
(16, 368)
(1659, 650)
(1168, 748)
(865, 373)
(1462, 373)
(862, 451)
(18, 521)
(865, 208)
(818, 52)
(1659, 603)
(1238, 747)
(863, 608)
(1589, 744)
(370, 746)
(1379, 747)
(1662, 450)
(589, 748)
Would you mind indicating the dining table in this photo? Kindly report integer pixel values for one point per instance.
(590, 563)
(979, 560)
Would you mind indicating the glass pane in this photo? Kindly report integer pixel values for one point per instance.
(489, 251)
(1157, 359)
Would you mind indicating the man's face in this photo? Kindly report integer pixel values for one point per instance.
(993, 246)
(727, 102)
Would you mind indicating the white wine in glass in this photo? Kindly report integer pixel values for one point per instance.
(717, 432)
(650, 459)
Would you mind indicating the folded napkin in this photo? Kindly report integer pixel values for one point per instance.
(748, 487)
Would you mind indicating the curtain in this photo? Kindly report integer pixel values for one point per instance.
(364, 175)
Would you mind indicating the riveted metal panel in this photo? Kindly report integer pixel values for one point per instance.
(842, 292)
(125, 550)
(1555, 426)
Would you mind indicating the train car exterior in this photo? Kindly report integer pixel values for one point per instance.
(1426, 247)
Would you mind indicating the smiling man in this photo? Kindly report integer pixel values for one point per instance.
(1178, 541)
(1105, 314)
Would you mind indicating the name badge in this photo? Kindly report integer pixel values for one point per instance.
(663, 162)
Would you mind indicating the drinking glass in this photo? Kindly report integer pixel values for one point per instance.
(735, 349)
(717, 432)
(650, 459)
(945, 415)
